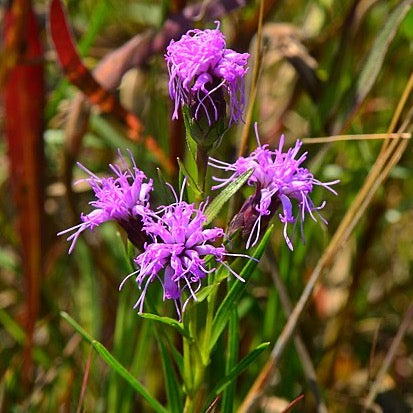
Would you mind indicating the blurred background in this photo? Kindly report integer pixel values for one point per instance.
(79, 89)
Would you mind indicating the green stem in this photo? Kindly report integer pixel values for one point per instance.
(205, 349)
(188, 376)
(193, 367)
(197, 353)
(202, 165)
(232, 357)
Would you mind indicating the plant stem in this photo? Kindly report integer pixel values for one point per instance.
(193, 367)
(202, 165)
(205, 349)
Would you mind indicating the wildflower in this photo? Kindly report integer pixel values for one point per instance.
(200, 69)
(279, 180)
(180, 246)
(123, 198)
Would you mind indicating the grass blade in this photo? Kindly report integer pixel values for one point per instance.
(240, 367)
(179, 327)
(232, 357)
(191, 180)
(216, 205)
(173, 392)
(114, 364)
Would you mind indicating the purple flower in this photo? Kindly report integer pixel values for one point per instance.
(200, 66)
(181, 252)
(179, 247)
(279, 180)
(123, 198)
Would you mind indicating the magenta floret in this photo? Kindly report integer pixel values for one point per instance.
(279, 179)
(179, 246)
(123, 198)
(199, 64)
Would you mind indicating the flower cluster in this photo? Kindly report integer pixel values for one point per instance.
(123, 198)
(199, 66)
(173, 238)
(179, 246)
(279, 179)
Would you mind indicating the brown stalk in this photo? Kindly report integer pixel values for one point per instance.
(402, 102)
(361, 137)
(293, 403)
(85, 380)
(373, 353)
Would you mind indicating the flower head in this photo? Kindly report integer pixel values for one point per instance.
(279, 180)
(179, 247)
(200, 66)
(123, 198)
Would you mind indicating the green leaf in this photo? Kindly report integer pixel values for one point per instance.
(121, 370)
(191, 180)
(205, 292)
(166, 191)
(224, 311)
(232, 357)
(114, 364)
(189, 138)
(179, 327)
(173, 392)
(216, 205)
(239, 368)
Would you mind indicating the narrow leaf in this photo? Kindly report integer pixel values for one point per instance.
(114, 364)
(231, 362)
(205, 292)
(293, 403)
(191, 180)
(171, 382)
(235, 293)
(239, 368)
(163, 188)
(121, 370)
(216, 205)
(179, 327)
(189, 139)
